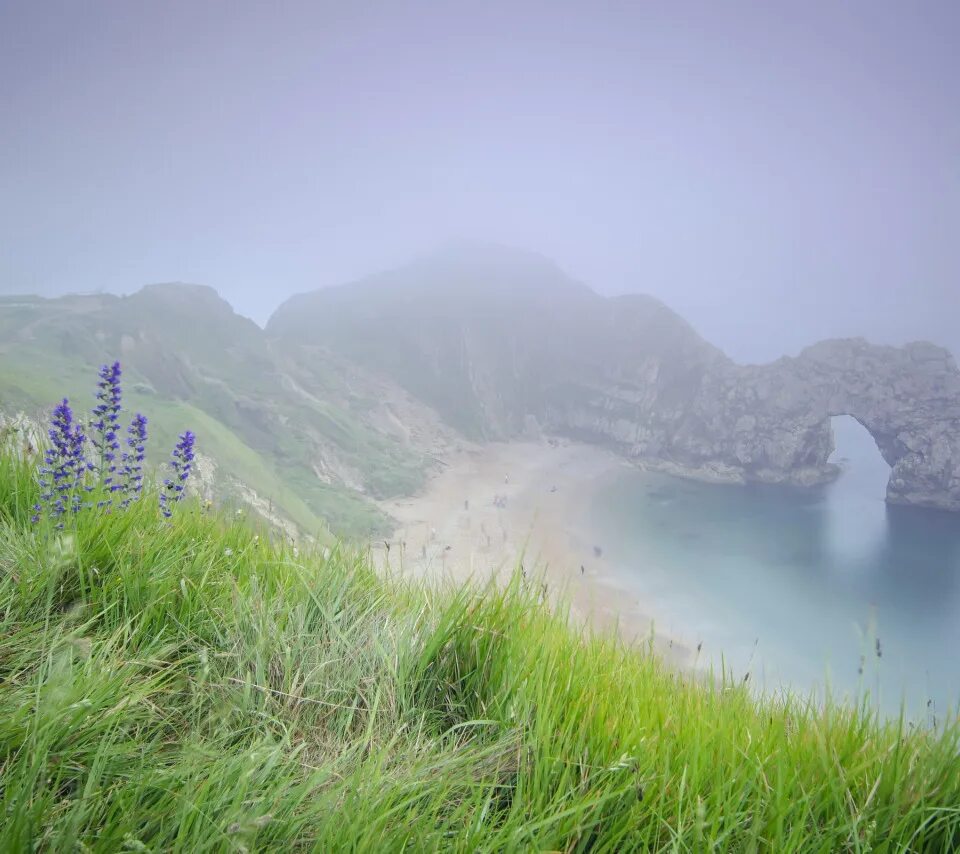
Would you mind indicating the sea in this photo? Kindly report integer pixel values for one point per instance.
(817, 591)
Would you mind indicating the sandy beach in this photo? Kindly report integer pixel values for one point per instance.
(496, 506)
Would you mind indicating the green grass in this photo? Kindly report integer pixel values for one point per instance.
(192, 686)
(190, 363)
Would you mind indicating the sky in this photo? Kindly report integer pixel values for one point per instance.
(776, 172)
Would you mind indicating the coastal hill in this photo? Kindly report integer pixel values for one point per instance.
(492, 337)
(311, 444)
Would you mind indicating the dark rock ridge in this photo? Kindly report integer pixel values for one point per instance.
(498, 341)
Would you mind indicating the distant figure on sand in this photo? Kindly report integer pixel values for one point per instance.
(466, 503)
(597, 551)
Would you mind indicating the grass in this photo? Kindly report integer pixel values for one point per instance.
(189, 362)
(193, 686)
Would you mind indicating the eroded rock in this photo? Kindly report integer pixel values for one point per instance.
(771, 423)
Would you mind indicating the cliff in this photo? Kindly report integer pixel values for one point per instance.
(770, 423)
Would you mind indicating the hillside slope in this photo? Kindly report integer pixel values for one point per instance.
(189, 686)
(312, 441)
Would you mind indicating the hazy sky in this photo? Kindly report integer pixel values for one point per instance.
(775, 171)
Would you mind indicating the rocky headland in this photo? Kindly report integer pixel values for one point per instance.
(771, 423)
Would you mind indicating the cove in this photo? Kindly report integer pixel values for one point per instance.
(802, 588)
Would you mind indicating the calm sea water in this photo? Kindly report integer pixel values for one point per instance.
(799, 586)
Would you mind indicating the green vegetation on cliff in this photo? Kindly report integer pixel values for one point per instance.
(191, 686)
(311, 438)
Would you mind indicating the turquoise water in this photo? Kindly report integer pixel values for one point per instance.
(798, 586)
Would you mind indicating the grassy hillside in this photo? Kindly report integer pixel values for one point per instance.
(190, 686)
(315, 437)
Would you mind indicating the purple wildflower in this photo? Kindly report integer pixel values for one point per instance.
(64, 464)
(106, 424)
(132, 460)
(181, 462)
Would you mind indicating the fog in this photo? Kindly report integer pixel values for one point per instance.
(777, 173)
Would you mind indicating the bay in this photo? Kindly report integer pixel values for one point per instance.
(800, 588)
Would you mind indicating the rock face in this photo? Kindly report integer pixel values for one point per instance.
(770, 423)
(502, 343)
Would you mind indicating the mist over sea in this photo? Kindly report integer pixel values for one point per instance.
(798, 587)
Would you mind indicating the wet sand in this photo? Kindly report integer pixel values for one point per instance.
(498, 506)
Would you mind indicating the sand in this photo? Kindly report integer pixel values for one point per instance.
(498, 506)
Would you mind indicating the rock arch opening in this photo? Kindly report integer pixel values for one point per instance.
(856, 452)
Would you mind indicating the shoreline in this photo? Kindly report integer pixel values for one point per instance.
(496, 506)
